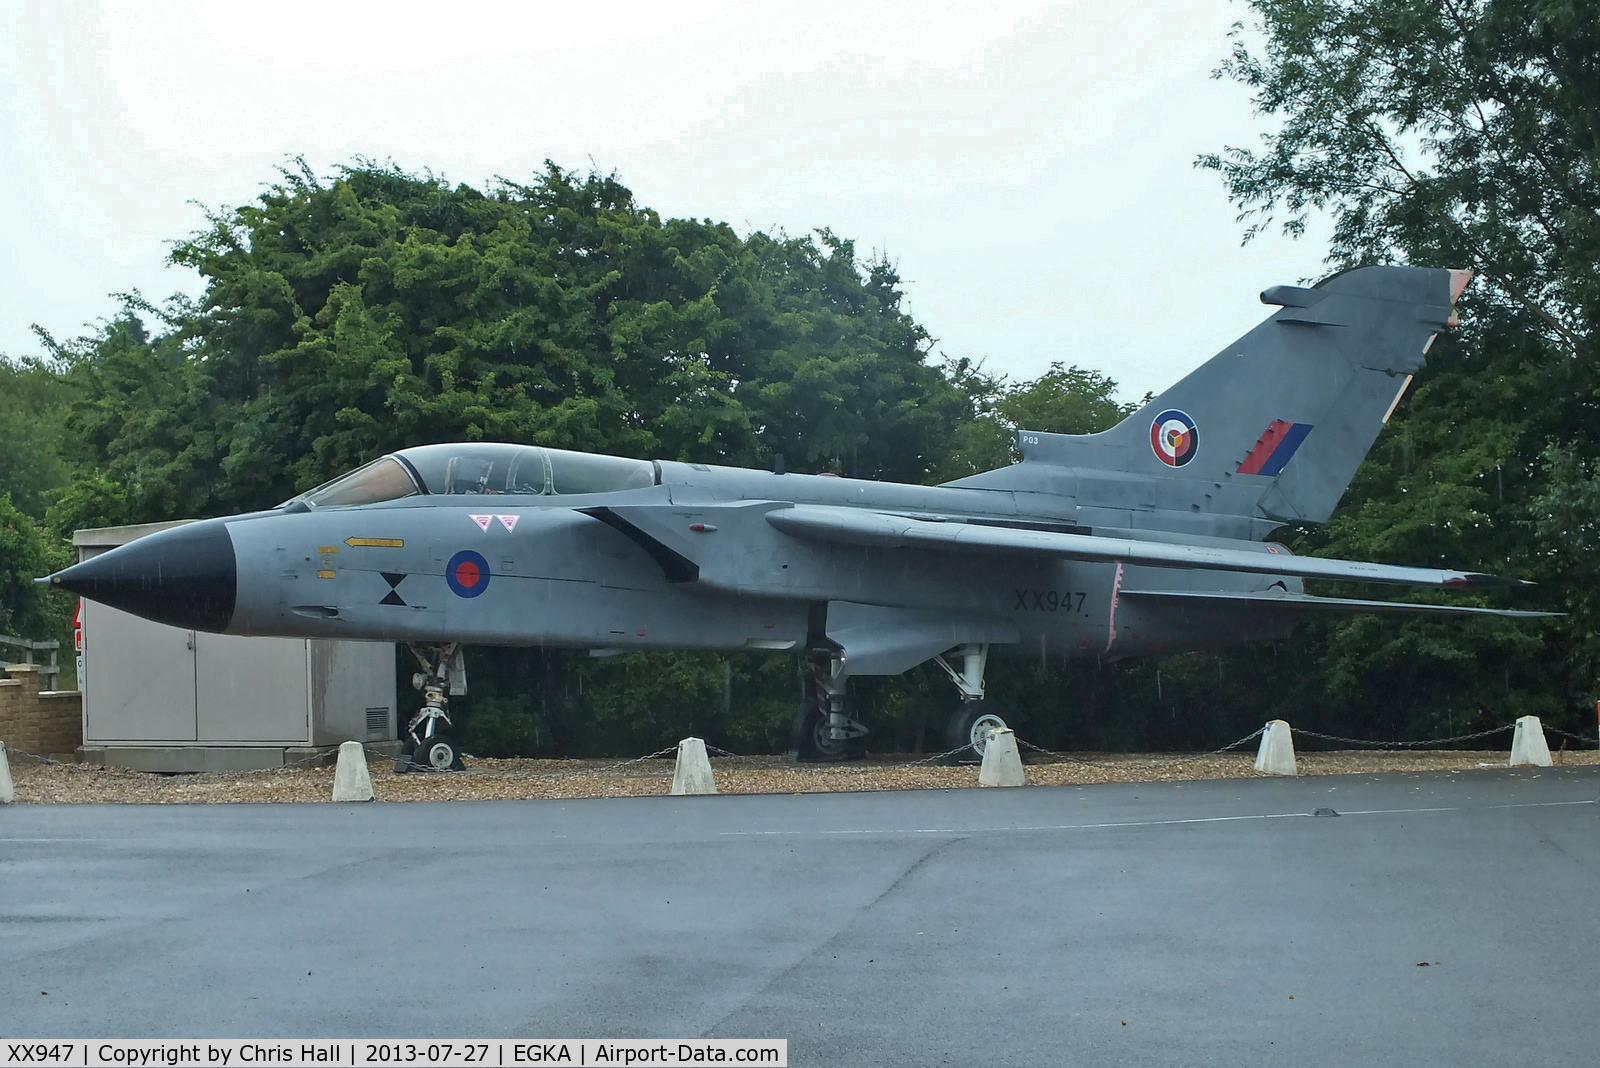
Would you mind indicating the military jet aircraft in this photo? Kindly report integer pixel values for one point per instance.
(1146, 538)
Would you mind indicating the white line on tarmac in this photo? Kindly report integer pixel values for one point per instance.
(1160, 823)
(57, 839)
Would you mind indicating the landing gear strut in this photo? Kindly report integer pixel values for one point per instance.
(427, 745)
(823, 728)
(972, 724)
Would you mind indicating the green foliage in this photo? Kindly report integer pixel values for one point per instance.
(26, 609)
(345, 318)
(1461, 135)
(350, 316)
(1063, 400)
(32, 437)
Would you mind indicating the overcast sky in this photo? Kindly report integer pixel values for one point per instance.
(1027, 166)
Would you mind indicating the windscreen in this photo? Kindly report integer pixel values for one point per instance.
(496, 467)
(384, 479)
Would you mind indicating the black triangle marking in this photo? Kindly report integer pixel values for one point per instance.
(391, 578)
(393, 598)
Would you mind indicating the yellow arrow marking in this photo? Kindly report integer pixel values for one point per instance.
(379, 543)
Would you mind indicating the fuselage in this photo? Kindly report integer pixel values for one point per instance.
(459, 545)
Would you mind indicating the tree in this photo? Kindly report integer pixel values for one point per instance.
(26, 609)
(32, 434)
(1454, 133)
(1063, 400)
(349, 317)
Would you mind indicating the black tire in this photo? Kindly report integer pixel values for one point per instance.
(439, 753)
(968, 731)
(810, 740)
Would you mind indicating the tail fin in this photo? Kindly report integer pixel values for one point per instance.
(1271, 429)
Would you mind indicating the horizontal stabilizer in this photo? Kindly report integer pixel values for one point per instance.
(1304, 602)
(856, 526)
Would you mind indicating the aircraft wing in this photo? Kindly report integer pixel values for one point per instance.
(1300, 603)
(859, 526)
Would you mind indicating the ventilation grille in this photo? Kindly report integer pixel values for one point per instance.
(377, 721)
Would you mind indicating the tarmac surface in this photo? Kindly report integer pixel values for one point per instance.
(1149, 924)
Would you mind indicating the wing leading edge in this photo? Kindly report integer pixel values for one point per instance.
(852, 526)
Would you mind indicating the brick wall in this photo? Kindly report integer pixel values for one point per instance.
(49, 724)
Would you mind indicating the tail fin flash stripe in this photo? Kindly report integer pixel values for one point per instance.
(1275, 448)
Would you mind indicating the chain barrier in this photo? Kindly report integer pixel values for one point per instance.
(1159, 765)
(946, 755)
(1423, 744)
(38, 759)
(374, 754)
(1587, 741)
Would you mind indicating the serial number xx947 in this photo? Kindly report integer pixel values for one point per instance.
(1031, 600)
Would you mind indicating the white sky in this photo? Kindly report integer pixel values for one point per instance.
(1027, 166)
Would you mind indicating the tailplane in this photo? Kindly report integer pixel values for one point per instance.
(1270, 430)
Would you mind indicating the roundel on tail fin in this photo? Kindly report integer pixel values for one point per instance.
(1174, 438)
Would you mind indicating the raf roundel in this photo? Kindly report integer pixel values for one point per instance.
(467, 573)
(1174, 438)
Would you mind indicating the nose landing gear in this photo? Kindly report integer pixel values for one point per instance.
(427, 745)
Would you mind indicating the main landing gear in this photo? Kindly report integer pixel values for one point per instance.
(823, 728)
(427, 745)
(972, 724)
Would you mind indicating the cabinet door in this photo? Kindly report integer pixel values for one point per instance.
(138, 678)
(251, 689)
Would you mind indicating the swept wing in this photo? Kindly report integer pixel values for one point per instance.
(852, 526)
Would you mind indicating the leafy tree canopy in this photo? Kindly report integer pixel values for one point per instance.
(1063, 400)
(32, 437)
(1454, 133)
(346, 317)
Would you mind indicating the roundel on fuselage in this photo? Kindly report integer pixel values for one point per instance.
(467, 573)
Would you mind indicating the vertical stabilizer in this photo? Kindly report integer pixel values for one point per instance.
(1273, 427)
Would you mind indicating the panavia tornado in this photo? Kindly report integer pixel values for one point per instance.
(1146, 538)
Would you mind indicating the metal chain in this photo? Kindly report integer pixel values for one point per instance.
(720, 752)
(927, 759)
(1585, 740)
(1301, 733)
(38, 759)
(1188, 759)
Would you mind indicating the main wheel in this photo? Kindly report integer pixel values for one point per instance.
(970, 730)
(438, 753)
(811, 742)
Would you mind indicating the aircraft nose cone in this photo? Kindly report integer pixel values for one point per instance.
(184, 577)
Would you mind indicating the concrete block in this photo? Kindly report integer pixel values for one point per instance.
(351, 782)
(692, 775)
(1002, 764)
(1528, 747)
(1276, 753)
(8, 793)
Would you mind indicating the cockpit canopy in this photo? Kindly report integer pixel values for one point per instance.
(481, 468)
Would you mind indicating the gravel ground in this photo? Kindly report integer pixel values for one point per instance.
(499, 779)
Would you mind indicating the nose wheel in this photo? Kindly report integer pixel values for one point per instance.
(428, 745)
(438, 753)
